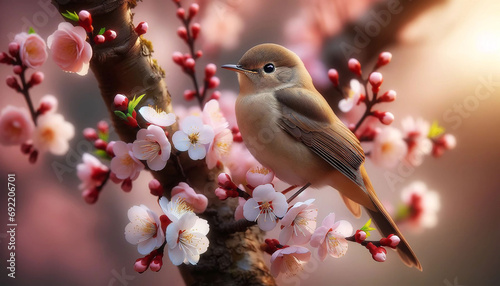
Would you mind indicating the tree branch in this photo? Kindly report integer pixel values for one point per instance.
(125, 66)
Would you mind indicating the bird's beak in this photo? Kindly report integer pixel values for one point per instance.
(237, 68)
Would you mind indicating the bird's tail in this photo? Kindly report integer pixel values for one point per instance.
(386, 225)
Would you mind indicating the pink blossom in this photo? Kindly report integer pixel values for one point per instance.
(32, 49)
(48, 103)
(70, 51)
(289, 260)
(329, 238)
(16, 126)
(239, 161)
(265, 207)
(213, 116)
(193, 136)
(238, 213)
(299, 223)
(389, 148)
(422, 205)
(227, 104)
(221, 32)
(353, 95)
(52, 133)
(187, 239)
(91, 172)
(219, 147)
(125, 165)
(153, 146)
(259, 175)
(415, 131)
(144, 229)
(197, 201)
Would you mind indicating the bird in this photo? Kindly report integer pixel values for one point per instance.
(289, 127)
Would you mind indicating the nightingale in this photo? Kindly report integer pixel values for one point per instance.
(289, 127)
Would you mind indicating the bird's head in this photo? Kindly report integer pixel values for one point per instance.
(269, 67)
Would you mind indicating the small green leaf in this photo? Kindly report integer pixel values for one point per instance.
(103, 136)
(120, 114)
(70, 15)
(402, 212)
(133, 103)
(367, 228)
(102, 154)
(31, 31)
(435, 130)
(102, 30)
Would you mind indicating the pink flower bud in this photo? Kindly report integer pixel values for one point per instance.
(178, 58)
(99, 39)
(142, 28)
(378, 253)
(221, 193)
(189, 64)
(388, 96)
(257, 176)
(181, 13)
(14, 49)
(90, 134)
(12, 82)
(195, 30)
(140, 266)
(225, 182)
(360, 236)
(47, 103)
(449, 141)
(27, 148)
(100, 144)
(387, 119)
(157, 263)
(114, 178)
(85, 20)
(384, 58)
(354, 66)
(198, 54)
(110, 35)
(155, 188)
(333, 75)
(90, 196)
(17, 69)
(132, 122)
(5, 59)
(193, 10)
(103, 126)
(375, 80)
(437, 151)
(109, 149)
(121, 102)
(33, 156)
(213, 82)
(216, 95)
(182, 32)
(210, 70)
(127, 185)
(189, 94)
(36, 78)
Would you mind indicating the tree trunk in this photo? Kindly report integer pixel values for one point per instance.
(125, 66)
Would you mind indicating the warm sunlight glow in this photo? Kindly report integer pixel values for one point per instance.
(488, 42)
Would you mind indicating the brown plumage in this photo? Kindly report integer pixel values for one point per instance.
(289, 127)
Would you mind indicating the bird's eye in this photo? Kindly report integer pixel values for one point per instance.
(269, 68)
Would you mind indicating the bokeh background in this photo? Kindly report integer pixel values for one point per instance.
(445, 54)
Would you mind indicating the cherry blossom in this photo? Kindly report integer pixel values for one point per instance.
(289, 260)
(70, 51)
(415, 131)
(157, 117)
(354, 93)
(144, 229)
(52, 133)
(125, 165)
(175, 209)
(196, 201)
(16, 126)
(32, 49)
(238, 213)
(187, 239)
(48, 103)
(265, 207)
(153, 146)
(329, 238)
(389, 148)
(259, 175)
(222, 32)
(239, 161)
(193, 136)
(299, 223)
(421, 204)
(219, 147)
(91, 172)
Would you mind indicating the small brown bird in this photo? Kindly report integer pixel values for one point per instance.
(289, 127)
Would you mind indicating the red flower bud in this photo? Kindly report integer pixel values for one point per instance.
(90, 196)
(360, 236)
(85, 20)
(140, 265)
(12, 82)
(383, 59)
(388, 96)
(109, 35)
(181, 13)
(142, 28)
(5, 59)
(99, 39)
(155, 188)
(193, 10)
(210, 70)
(333, 75)
(121, 102)
(354, 66)
(182, 33)
(27, 148)
(127, 185)
(189, 64)
(195, 30)
(157, 263)
(178, 58)
(33, 156)
(109, 149)
(198, 54)
(189, 94)
(36, 78)
(14, 49)
(215, 95)
(103, 126)
(213, 82)
(100, 144)
(90, 134)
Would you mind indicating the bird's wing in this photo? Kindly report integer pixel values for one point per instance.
(308, 120)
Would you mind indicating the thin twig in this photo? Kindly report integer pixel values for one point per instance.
(298, 192)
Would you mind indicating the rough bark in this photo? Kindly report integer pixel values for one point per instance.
(125, 66)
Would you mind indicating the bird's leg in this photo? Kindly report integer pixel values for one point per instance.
(298, 192)
(285, 191)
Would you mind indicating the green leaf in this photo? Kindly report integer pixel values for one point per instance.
(103, 136)
(402, 212)
(70, 15)
(435, 130)
(133, 103)
(102, 30)
(101, 153)
(367, 228)
(31, 31)
(120, 114)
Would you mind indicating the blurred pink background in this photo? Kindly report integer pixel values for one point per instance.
(441, 62)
